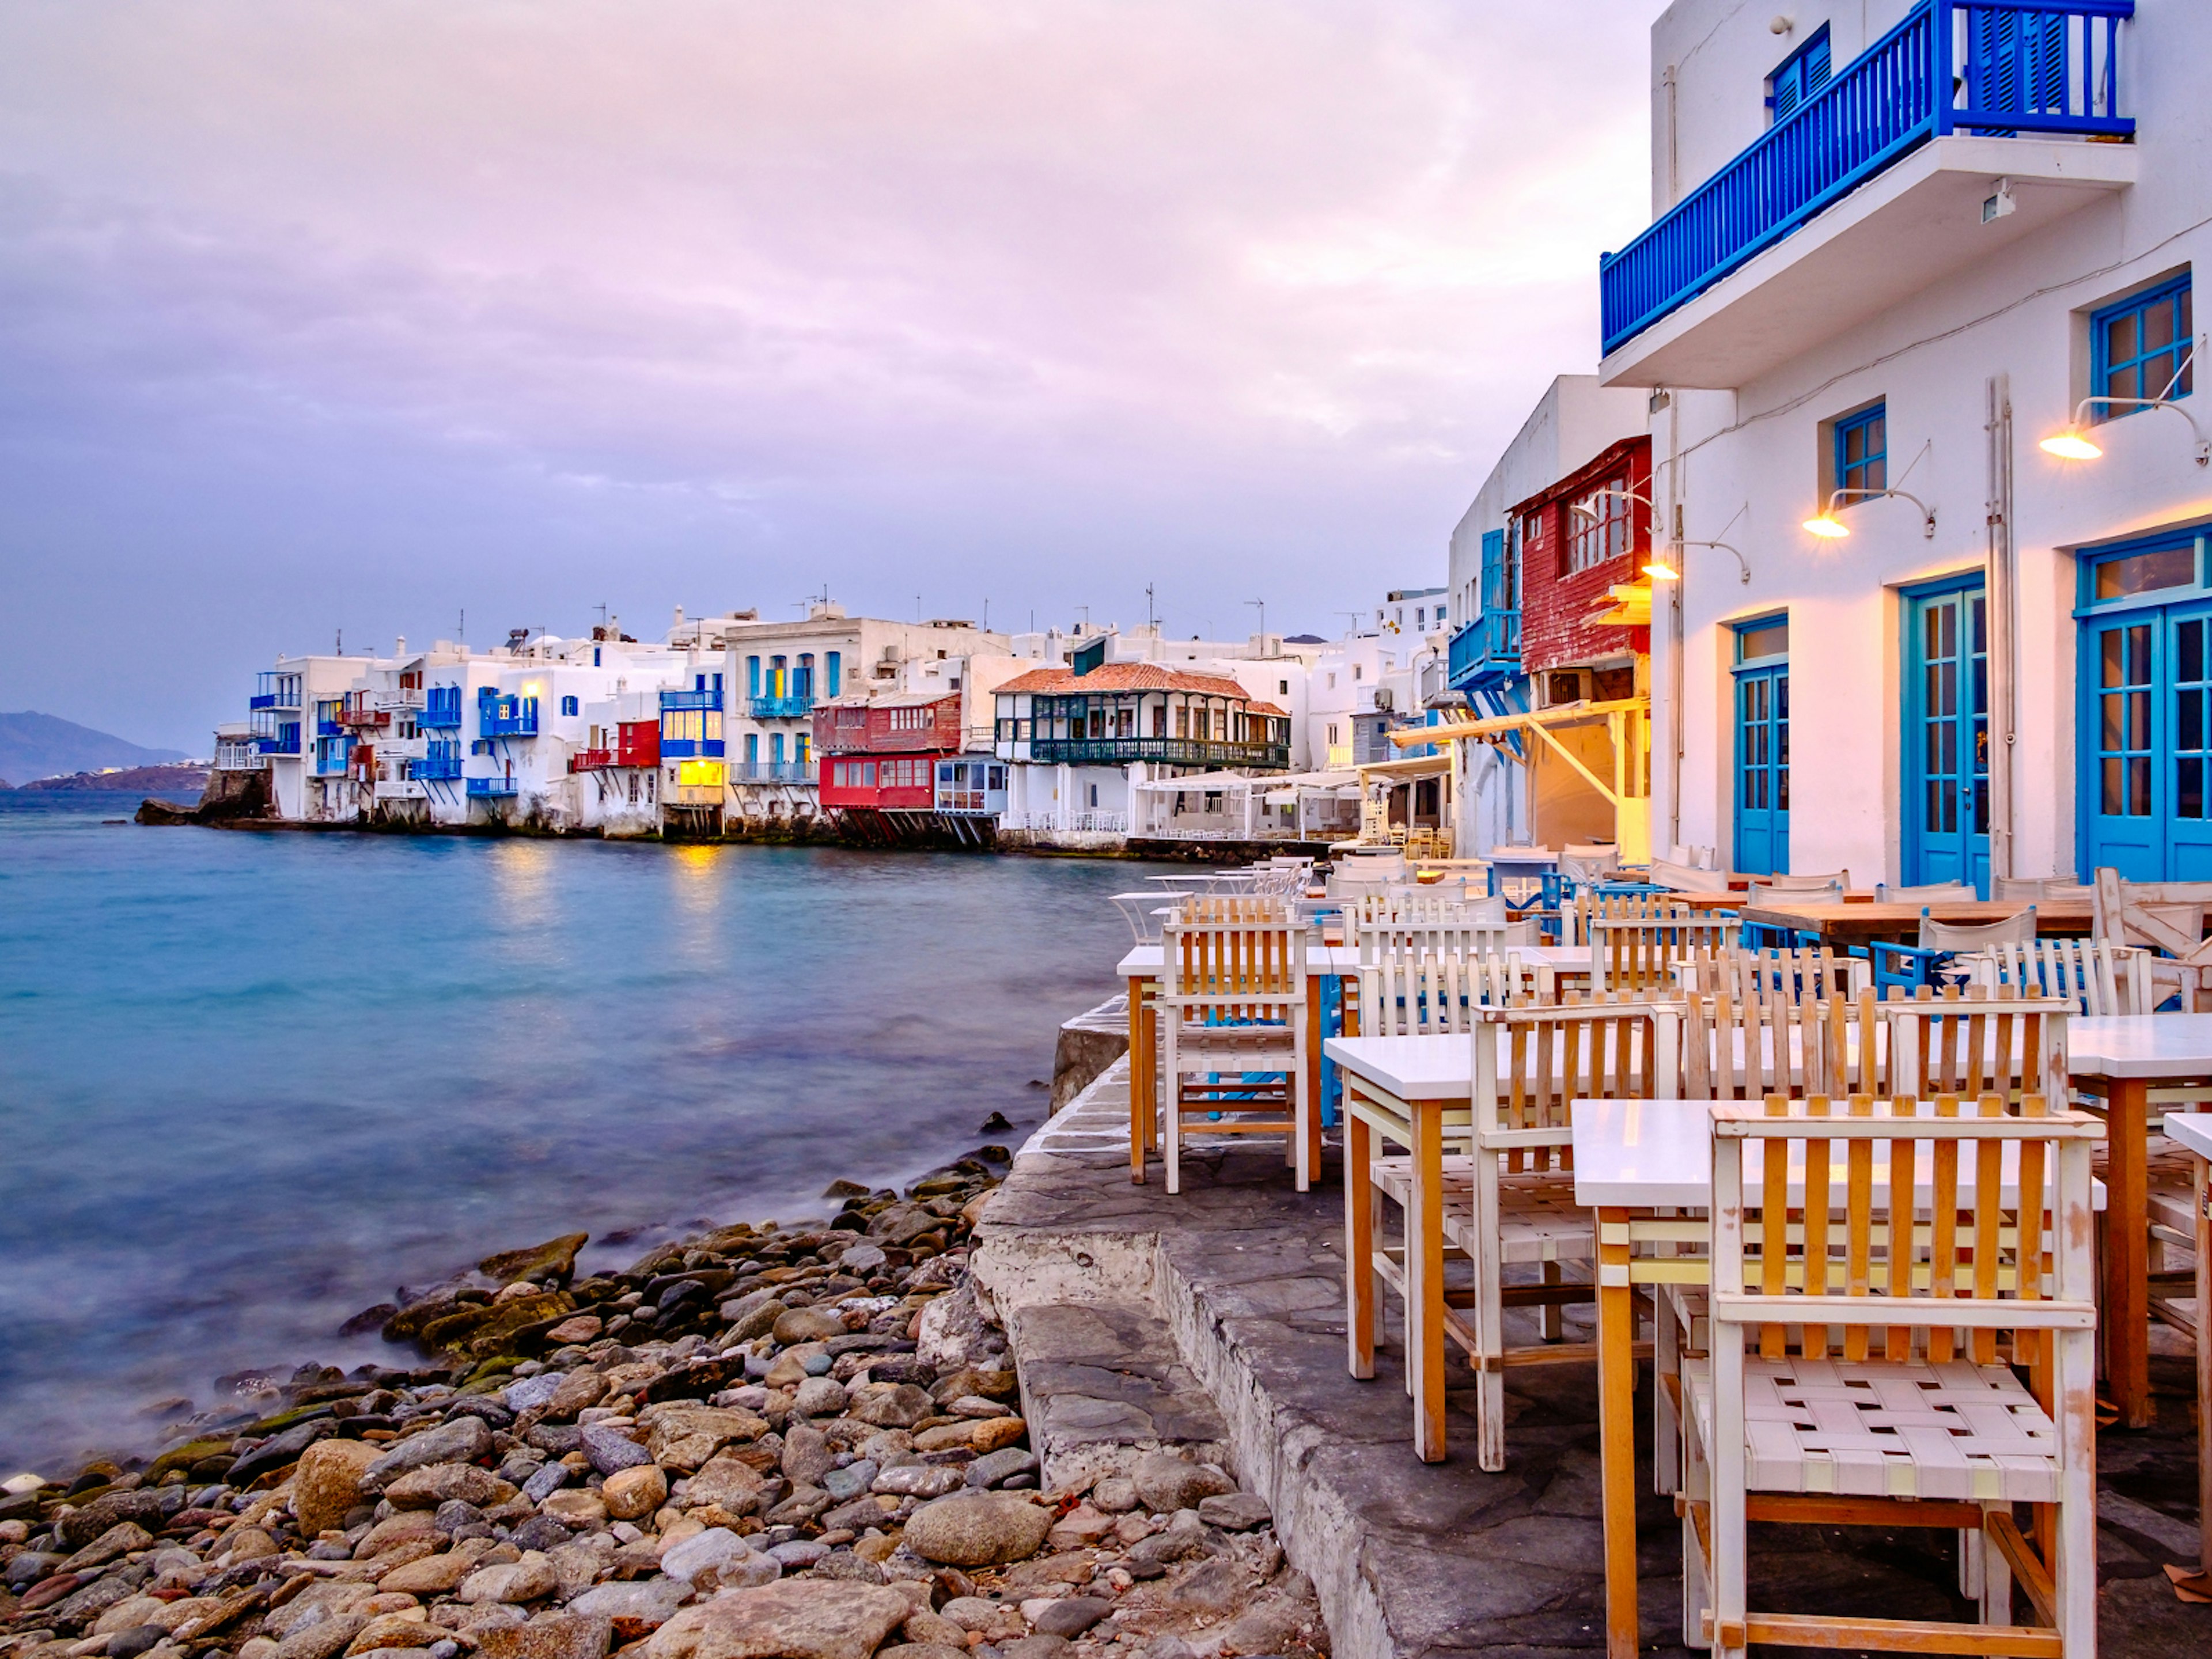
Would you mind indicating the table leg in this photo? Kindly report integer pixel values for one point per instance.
(2203, 1183)
(1359, 1242)
(1316, 1028)
(1616, 1398)
(1140, 1080)
(1425, 1287)
(2127, 1251)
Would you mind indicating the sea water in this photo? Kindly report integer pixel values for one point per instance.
(252, 1083)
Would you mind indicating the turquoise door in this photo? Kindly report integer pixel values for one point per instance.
(1946, 737)
(1762, 747)
(2150, 731)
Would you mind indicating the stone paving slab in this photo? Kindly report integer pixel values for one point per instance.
(1415, 1560)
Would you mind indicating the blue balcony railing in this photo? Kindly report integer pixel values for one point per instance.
(772, 772)
(780, 709)
(1487, 651)
(441, 765)
(709, 698)
(487, 788)
(690, 748)
(442, 709)
(284, 742)
(276, 690)
(2001, 68)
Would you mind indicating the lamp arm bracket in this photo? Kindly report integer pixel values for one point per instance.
(1927, 513)
(2204, 444)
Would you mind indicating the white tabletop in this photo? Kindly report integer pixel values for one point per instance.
(2140, 1045)
(1149, 961)
(1655, 1154)
(1410, 1067)
(2192, 1129)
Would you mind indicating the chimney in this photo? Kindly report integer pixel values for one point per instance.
(399, 645)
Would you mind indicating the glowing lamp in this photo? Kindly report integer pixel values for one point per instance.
(2071, 445)
(1659, 571)
(1827, 524)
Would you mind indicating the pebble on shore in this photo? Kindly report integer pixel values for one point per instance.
(795, 1440)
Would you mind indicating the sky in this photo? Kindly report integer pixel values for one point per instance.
(334, 320)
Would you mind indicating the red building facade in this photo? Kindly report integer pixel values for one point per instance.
(1570, 562)
(882, 755)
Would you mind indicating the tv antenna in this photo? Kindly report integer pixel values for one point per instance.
(1262, 603)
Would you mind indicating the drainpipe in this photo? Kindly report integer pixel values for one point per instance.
(1675, 629)
(1670, 90)
(2002, 604)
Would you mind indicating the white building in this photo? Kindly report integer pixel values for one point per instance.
(1994, 658)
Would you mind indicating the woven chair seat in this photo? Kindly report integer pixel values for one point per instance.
(1882, 1428)
(1537, 1219)
(1393, 1176)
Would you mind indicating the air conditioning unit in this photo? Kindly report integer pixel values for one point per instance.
(1560, 686)
(1383, 699)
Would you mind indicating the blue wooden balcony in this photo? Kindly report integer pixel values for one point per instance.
(791, 708)
(772, 772)
(490, 788)
(690, 747)
(442, 709)
(441, 765)
(707, 698)
(1485, 652)
(2006, 69)
(509, 716)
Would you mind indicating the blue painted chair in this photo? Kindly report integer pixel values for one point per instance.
(1911, 967)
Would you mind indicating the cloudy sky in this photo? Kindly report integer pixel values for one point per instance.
(340, 317)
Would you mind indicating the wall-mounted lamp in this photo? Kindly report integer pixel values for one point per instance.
(2074, 444)
(1826, 523)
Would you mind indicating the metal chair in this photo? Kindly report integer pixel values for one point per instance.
(1147, 913)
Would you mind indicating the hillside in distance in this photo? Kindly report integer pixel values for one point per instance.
(35, 745)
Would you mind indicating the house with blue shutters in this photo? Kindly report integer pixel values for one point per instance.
(1912, 326)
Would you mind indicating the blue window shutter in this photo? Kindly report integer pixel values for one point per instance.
(832, 665)
(1493, 571)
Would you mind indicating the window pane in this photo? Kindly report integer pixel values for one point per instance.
(2123, 383)
(2188, 653)
(2138, 720)
(2139, 654)
(2188, 787)
(1768, 640)
(2158, 327)
(2120, 338)
(2189, 721)
(2109, 799)
(2139, 788)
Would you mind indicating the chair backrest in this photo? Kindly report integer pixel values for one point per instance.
(1934, 892)
(1748, 1047)
(2037, 887)
(1685, 878)
(2013, 1046)
(1532, 1062)
(2166, 916)
(1800, 975)
(1145, 913)
(1586, 862)
(2099, 978)
(1407, 907)
(1817, 1234)
(1432, 981)
(1637, 951)
(1235, 961)
(1799, 884)
(1794, 899)
(1954, 935)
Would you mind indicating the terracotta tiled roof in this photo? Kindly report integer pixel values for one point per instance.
(1268, 708)
(1123, 676)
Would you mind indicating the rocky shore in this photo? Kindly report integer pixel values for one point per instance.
(760, 1441)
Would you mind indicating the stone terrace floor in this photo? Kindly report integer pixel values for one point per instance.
(1413, 1559)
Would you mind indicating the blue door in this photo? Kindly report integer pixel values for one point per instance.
(2148, 743)
(1946, 737)
(1762, 747)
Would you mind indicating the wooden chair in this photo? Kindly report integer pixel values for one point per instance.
(1813, 974)
(1862, 1366)
(2031, 888)
(2167, 917)
(2013, 1046)
(1232, 1014)
(1913, 967)
(1786, 883)
(1933, 892)
(2099, 978)
(1795, 897)
(1509, 1197)
(1635, 949)
(1433, 980)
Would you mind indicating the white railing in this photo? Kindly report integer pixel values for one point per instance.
(1075, 824)
(244, 755)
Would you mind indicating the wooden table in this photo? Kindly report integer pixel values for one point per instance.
(1405, 1088)
(2123, 1057)
(2193, 1132)
(1853, 923)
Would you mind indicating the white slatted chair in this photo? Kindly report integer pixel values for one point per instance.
(2031, 887)
(1508, 1196)
(1955, 1044)
(1635, 949)
(1787, 884)
(1863, 1373)
(1933, 892)
(1232, 1013)
(1802, 975)
(1794, 897)
(2099, 978)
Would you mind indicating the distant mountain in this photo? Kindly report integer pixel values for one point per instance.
(35, 745)
(178, 783)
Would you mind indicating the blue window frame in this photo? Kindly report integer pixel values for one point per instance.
(752, 749)
(1762, 746)
(1863, 449)
(2140, 349)
(1799, 75)
(752, 677)
(2145, 713)
(569, 705)
(833, 667)
(776, 748)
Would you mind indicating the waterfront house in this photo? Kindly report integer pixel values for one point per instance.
(1913, 324)
(1075, 737)
(618, 773)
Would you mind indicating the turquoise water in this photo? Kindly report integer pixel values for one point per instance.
(251, 1083)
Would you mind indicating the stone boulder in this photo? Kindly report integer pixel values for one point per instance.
(1166, 1483)
(635, 1609)
(683, 1436)
(978, 1529)
(792, 1619)
(434, 1484)
(464, 1440)
(327, 1483)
